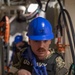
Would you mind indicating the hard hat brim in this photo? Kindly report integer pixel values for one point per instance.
(44, 37)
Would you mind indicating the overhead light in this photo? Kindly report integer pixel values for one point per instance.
(32, 8)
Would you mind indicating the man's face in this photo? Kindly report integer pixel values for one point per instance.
(20, 45)
(40, 48)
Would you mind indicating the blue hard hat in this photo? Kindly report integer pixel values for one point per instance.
(18, 39)
(40, 29)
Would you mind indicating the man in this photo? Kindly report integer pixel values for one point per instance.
(18, 46)
(38, 58)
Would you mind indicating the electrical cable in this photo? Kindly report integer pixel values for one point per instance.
(46, 5)
(39, 3)
(63, 12)
(69, 39)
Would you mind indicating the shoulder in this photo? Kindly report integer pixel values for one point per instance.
(57, 58)
(59, 62)
(60, 66)
(54, 54)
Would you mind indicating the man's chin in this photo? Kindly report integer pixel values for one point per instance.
(41, 57)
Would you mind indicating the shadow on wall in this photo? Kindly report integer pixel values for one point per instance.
(17, 27)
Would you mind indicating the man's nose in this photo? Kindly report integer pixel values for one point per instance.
(41, 44)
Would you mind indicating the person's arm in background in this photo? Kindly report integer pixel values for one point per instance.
(22, 72)
(20, 68)
(60, 67)
(17, 60)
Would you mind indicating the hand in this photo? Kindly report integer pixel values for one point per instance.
(23, 72)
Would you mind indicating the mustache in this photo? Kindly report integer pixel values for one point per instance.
(41, 49)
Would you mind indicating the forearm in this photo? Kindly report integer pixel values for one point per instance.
(22, 72)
